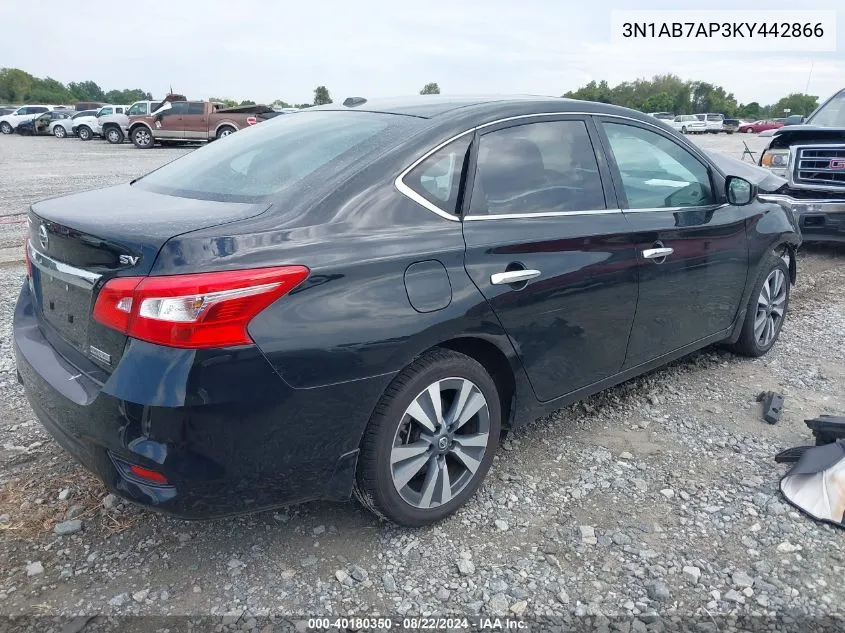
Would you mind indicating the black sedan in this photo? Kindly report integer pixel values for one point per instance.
(360, 298)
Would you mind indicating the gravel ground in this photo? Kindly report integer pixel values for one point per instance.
(658, 496)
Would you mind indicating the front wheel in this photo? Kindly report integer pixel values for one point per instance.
(430, 441)
(766, 309)
(114, 135)
(142, 138)
(5, 127)
(749, 131)
(84, 133)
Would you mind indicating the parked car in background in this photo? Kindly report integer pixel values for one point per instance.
(712, 121)
(42, 125)
(193, 121)
(360, 298)
(7, 110)
(88, 105)
(9, 122)
(65, 127)
(811, 157)
(730, 126)
(663, 116)
(688, 124)
(759, 126)
(114, 127)
(85, 127)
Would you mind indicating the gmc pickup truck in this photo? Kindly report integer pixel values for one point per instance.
(811, 156)
(193, 121)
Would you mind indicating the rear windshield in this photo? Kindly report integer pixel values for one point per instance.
(257, 163)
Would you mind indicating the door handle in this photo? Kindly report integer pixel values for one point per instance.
(513, 276)
(658, 253)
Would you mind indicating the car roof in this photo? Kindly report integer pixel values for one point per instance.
(442, 107)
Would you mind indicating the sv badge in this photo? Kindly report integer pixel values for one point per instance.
(129, 259)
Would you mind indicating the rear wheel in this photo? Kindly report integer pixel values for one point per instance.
(684, 130)
(114, 135)
(59, 131)
(430, 441)
(5, 127)
(84, 132)
(766, 309)
(142, 138)
(748, 130)
(226, 130)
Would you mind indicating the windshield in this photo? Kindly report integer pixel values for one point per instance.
(267, 159)
(831, 114)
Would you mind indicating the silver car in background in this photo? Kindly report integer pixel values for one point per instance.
(65, 127)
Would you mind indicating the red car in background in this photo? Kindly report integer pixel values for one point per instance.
(759, 126)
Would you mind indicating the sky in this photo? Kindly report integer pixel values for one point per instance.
(260, 50)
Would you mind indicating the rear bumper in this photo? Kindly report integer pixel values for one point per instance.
(224, 429)
(820, 220)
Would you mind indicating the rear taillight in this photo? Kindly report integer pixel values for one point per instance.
(196, 310)
(251, 120)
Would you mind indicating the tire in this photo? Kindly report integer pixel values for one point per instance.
(142, 137)
(765, 305)
(226, 130)
(59, 131)
(684, 130)
(418, 498)
(748, 130)
(84, 133)
(114, 135)
(6, 127)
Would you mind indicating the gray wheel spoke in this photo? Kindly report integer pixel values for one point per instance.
(460, 402)
(468, 460)
(473, 405)
(408, 451)
(419, 415)
(408, 470)
(430, 483)
(759, 324)
(444, 483)
(476, 440)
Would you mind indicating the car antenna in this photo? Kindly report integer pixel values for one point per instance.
(351, 102)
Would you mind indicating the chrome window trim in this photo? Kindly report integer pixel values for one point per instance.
(794, 151)
(70, 274)
(714, 207)
(548, 214)
(405, 190)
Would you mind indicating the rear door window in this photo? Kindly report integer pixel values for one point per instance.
(196, 107)
(537, 168)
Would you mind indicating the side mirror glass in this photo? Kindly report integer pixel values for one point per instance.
(739, 191)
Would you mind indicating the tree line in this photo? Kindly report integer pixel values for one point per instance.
(18, 86)
(661, 93)
(670, 93)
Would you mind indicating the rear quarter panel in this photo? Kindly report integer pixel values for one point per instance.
(352, 318)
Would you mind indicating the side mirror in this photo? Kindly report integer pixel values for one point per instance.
(739, 191)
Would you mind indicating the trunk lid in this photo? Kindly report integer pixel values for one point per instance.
(79, 242)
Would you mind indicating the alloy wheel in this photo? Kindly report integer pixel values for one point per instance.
(59, 131)
(440, 442)
(143, 137)
(770, 308)
(113, 135)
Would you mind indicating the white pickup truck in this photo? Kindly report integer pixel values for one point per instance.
(114, 127)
